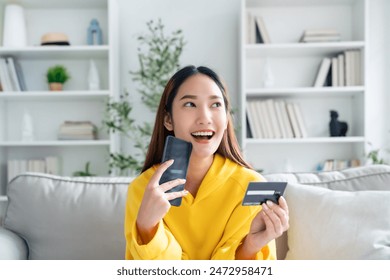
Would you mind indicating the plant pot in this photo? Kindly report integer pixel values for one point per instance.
(55, 86)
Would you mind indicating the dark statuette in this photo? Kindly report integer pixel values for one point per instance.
(336, 127)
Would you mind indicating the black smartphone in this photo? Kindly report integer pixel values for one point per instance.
(259, 192)
(180, 151)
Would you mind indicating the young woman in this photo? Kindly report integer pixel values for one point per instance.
(211, 223)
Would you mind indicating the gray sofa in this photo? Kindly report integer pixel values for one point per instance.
(333, 215)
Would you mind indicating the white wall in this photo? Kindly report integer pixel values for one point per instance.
(378, 128)
(211, 30)
(386, 115)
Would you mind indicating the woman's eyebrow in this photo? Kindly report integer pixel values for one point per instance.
(188, 96)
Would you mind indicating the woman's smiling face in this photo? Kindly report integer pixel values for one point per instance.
(199, 115)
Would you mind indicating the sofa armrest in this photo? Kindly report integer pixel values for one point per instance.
(13, 247)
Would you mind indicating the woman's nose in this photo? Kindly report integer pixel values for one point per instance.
(204, 116)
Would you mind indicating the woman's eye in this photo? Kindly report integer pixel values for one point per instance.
(189, 104)
(217, 104)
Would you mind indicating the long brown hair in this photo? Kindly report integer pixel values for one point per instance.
(228, 148)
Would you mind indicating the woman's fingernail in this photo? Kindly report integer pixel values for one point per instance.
(270, 203)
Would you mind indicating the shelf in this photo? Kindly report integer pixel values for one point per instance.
(54, 95)
(49, 109)
(58, 143)
(297, 3)
(57, 52)
(57, 4)
(309, 140)
(300, 49)
(305, 91)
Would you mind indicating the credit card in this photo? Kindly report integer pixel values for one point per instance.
(259, 192)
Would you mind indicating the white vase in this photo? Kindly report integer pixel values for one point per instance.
(268, 79)
(14, 32)
(27, 128)
(93, 76)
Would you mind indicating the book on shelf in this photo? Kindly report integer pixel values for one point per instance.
(320, 35)
(334, 72)
(265, 119)
(249, 133)
(77, 130)
(299, 117)
(259, 125)
(323, 72)
(320, 32)
(274, 118)
(293, 120)
(262, 35)
(5, 78)
(335, 164)
(49, 165)
(279, 118)
(254, 117)
(11, 75)
(341, 69)
(250, 28)
(285, 119)
(20, 75)
(251, 121)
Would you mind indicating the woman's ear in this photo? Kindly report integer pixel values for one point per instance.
(168, 122)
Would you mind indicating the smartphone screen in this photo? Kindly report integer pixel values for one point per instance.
(180, 151)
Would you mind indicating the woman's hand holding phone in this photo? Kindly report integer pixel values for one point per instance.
(155, 203)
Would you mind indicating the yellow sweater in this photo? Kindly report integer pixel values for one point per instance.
(210, 226)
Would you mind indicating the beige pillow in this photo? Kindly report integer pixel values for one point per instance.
(329, 224)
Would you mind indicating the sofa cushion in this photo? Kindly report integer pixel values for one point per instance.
(329, 224)
(373, 177)
(68, 218)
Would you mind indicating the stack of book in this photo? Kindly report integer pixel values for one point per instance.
(320, 35)
(11, 75)
(77, 130)
(334, 164)
(344, 69)
(274, 118)
(48, 165)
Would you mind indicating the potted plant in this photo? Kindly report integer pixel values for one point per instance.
(57, 76)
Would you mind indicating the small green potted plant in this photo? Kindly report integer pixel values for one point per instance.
(57, 76)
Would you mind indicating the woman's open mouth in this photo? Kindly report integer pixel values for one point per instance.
(203, 135)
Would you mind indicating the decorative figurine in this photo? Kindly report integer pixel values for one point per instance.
(336, 127)
(94, 33)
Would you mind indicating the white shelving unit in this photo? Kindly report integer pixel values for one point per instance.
(294, 67)
(50, 109)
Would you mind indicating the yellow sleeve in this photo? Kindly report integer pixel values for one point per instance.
(238, 227)
(162, 246)
(236, 230)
